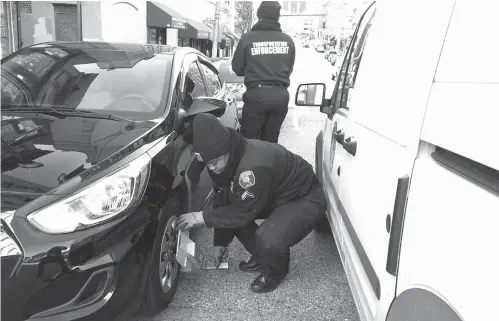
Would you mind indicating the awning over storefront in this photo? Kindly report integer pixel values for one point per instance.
(195, 30)
(162, 16)
(231, 35)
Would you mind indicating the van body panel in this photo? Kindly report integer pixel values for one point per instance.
(463, 118)
(450, 240)
(472, 44)
(398, 66)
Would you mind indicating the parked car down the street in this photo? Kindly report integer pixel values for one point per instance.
(234, 82)
(319, 48)
(93, 175)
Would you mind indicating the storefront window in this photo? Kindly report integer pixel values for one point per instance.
(162, 36)
(151, 35)
(156, 35)
(183, 42)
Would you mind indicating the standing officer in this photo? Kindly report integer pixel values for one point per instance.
(265, 56)
(266, 182)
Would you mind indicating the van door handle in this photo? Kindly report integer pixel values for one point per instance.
(350, 145)
(339, 136)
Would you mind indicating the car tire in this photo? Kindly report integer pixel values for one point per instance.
(156, 296)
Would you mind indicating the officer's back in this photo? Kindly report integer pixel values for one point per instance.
(265, 56)
(264, 46)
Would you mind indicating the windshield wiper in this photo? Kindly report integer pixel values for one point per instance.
(63, 112)
(24, 135)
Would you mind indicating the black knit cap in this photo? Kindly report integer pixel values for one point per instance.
(269, 10)
(211, 137)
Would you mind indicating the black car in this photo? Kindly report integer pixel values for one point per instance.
(93, 175)
(233, 81)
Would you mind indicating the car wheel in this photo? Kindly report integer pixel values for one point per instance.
(164, 270)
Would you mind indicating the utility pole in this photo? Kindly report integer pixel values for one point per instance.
(216, 30)
(79, 21)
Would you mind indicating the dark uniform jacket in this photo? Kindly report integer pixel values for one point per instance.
(268, 175)
(265, 55)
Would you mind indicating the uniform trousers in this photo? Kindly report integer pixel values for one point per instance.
(284, 226)
(264, 111)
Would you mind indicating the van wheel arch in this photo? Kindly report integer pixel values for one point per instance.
(418, 304)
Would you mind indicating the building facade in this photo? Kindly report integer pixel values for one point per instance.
(25, 23)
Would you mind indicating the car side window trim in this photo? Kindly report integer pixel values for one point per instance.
(190, 59)
(203, 81)
(219, 85)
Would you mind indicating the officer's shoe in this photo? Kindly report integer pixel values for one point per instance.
(263, 285)
(250, 265)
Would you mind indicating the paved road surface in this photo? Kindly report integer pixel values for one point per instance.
(316, 287)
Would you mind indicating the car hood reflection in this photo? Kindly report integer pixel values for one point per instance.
(58, 150)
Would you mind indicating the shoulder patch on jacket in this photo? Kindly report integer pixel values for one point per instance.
(246, 179)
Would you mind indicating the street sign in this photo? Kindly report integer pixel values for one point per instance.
(203, 34)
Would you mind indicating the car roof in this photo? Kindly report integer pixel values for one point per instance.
(117, 49)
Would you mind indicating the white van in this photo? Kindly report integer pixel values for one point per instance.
(409, 160)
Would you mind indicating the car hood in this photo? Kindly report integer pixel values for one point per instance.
(57, 150)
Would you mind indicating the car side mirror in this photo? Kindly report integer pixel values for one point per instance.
(310, 95)
(200, 105)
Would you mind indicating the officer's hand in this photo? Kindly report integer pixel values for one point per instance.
(189, 220)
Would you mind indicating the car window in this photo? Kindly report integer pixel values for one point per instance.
(351, 62)
(358, 47)
(12, 94)
(194, 82)
(213, 84)
(228, 74)
(86, 80)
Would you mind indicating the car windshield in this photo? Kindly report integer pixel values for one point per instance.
(228, 74)
(122, 81)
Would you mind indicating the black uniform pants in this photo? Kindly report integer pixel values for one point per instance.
(285, 226)
(264, 111)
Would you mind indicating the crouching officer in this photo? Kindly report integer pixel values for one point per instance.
(265, 56)
(267, 182)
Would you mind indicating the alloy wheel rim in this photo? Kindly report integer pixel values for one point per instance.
(167, 268)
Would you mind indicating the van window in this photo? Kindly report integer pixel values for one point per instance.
(352, 61)
(358, 48)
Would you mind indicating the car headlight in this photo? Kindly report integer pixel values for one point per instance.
(98, 202)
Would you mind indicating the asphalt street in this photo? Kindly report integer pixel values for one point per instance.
(316, 287)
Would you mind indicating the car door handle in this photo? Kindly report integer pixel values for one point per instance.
(339, 136)
(350, 145)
